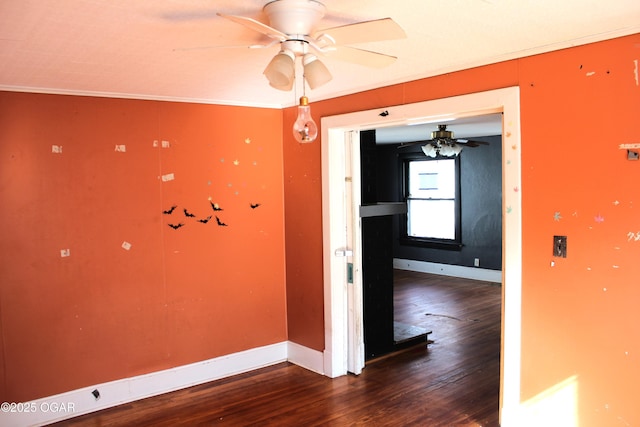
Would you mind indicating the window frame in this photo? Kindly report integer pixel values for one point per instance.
(454, 244)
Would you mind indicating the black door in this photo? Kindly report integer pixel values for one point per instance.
(377, 281)
(377, 259)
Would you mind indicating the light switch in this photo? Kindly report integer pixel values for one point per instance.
(560, 246)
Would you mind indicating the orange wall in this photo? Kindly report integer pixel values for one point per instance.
(176, 296)
(579, 317)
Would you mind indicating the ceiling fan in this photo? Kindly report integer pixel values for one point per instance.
(292, 26)
(443, 143)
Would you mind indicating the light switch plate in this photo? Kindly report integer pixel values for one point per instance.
(560, 246)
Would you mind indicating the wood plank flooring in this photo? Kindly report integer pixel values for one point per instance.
(452, 382)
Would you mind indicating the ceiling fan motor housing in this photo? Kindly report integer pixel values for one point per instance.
(294, 17)
(442, 133)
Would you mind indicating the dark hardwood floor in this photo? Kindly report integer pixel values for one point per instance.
(452, 382)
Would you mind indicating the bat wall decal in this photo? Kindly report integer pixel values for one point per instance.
(170, 211)
(254, 205)
(205, 220)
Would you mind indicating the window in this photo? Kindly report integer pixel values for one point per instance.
(431, 188)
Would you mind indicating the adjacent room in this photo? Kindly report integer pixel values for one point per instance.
(438, 214)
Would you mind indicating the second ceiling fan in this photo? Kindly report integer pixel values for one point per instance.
(442, 143)
(293, 25)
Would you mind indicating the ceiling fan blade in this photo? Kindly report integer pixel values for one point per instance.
(256, 26)
(362, 32)
(360, 56)
(465, 142)
(470, 143)
(189, 15)
(251, 46)
(411, 144)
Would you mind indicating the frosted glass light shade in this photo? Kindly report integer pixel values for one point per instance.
(281, 70)
(446, 150)
(429, 150)
(315, 72)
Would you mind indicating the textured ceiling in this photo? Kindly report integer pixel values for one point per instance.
(137, 49)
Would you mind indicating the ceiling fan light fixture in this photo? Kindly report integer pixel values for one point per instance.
(293, 24)
(442, 144)
(315, 72)
(281, 70)
(441, 149)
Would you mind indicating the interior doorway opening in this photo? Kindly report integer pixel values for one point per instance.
(467, 239)
(344, 345)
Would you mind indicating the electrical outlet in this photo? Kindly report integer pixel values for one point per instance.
(560, 246)
(476, 262)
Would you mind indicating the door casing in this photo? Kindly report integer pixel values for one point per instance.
(344, 343)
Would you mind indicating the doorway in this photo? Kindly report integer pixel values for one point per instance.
(459, 236)
(343, 338)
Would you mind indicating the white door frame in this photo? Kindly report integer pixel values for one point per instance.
(338, 307)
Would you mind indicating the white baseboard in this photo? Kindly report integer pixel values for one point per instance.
(81, 401)
(449, 270)
(310, 359)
